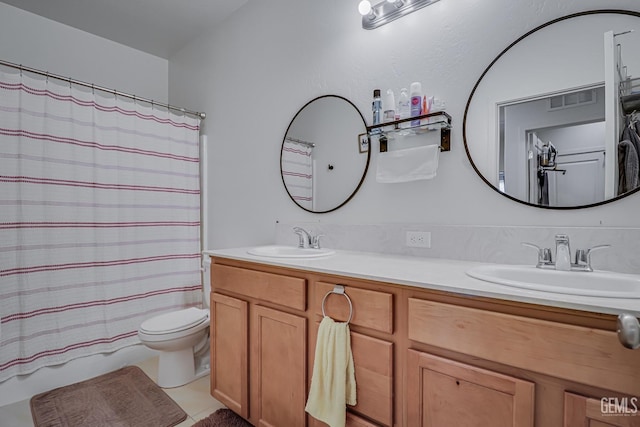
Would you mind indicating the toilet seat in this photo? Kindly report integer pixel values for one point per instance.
(175, 321)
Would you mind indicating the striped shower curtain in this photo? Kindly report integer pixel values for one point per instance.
(99, 220)
(297, 172)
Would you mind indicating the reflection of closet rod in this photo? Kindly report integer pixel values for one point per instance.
(299, 141)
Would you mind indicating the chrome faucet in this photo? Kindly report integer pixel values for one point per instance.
(304, 237)
(563, 256)
(307, 239)
(563, 252)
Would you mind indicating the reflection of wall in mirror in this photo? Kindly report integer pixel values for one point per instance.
(340, 150)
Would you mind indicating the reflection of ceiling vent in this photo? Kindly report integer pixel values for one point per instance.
(574, 99)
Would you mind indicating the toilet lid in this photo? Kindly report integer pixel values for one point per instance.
(174, 321)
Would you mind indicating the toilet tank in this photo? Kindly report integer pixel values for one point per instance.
(206, 279)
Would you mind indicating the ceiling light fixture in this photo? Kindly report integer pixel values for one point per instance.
(387, 11)
(365, 9)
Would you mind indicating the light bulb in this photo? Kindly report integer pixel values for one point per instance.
(364, 7)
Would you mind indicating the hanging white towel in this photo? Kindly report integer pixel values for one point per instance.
(333, 384)
(410, 164)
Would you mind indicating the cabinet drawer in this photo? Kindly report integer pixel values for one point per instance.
(356, 421)
(352, 421)
(371, 309)
(586, 355)
(274, 288)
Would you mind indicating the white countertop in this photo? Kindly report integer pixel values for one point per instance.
(432, 273)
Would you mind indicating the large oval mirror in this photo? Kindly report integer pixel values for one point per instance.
(552, 121)
(325, 154)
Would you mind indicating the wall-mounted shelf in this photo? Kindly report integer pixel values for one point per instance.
(438, 120)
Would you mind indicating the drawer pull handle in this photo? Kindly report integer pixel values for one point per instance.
(629, 331)
(339, 289)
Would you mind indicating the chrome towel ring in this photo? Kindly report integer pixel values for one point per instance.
(339, 289)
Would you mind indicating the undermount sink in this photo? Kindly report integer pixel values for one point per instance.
(594, 283)
(275, 251)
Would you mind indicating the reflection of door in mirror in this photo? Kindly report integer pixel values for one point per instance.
(552, 148)
(574, 174)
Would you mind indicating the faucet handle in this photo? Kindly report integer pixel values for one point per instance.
(544, 254)
(315, 241)
(583, 256)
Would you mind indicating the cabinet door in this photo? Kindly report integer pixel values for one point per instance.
(580, 411)
(278, 368)
(229, 362)
(442, 392)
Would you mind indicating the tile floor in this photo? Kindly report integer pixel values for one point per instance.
(193, 398)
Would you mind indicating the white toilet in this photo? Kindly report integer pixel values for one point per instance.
(182, 338)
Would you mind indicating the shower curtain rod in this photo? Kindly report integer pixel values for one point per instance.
(21, 67)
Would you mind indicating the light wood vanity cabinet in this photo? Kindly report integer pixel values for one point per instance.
(258, 353)
(422, 357)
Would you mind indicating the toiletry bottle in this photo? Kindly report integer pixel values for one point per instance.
(376, 106)
(389, 107)
(416, 102)
(404, 107)
(425, 110)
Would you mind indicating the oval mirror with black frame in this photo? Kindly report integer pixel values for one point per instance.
(551, 122)
(325, 154)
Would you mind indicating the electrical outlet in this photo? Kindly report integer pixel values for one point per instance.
(418, 239)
